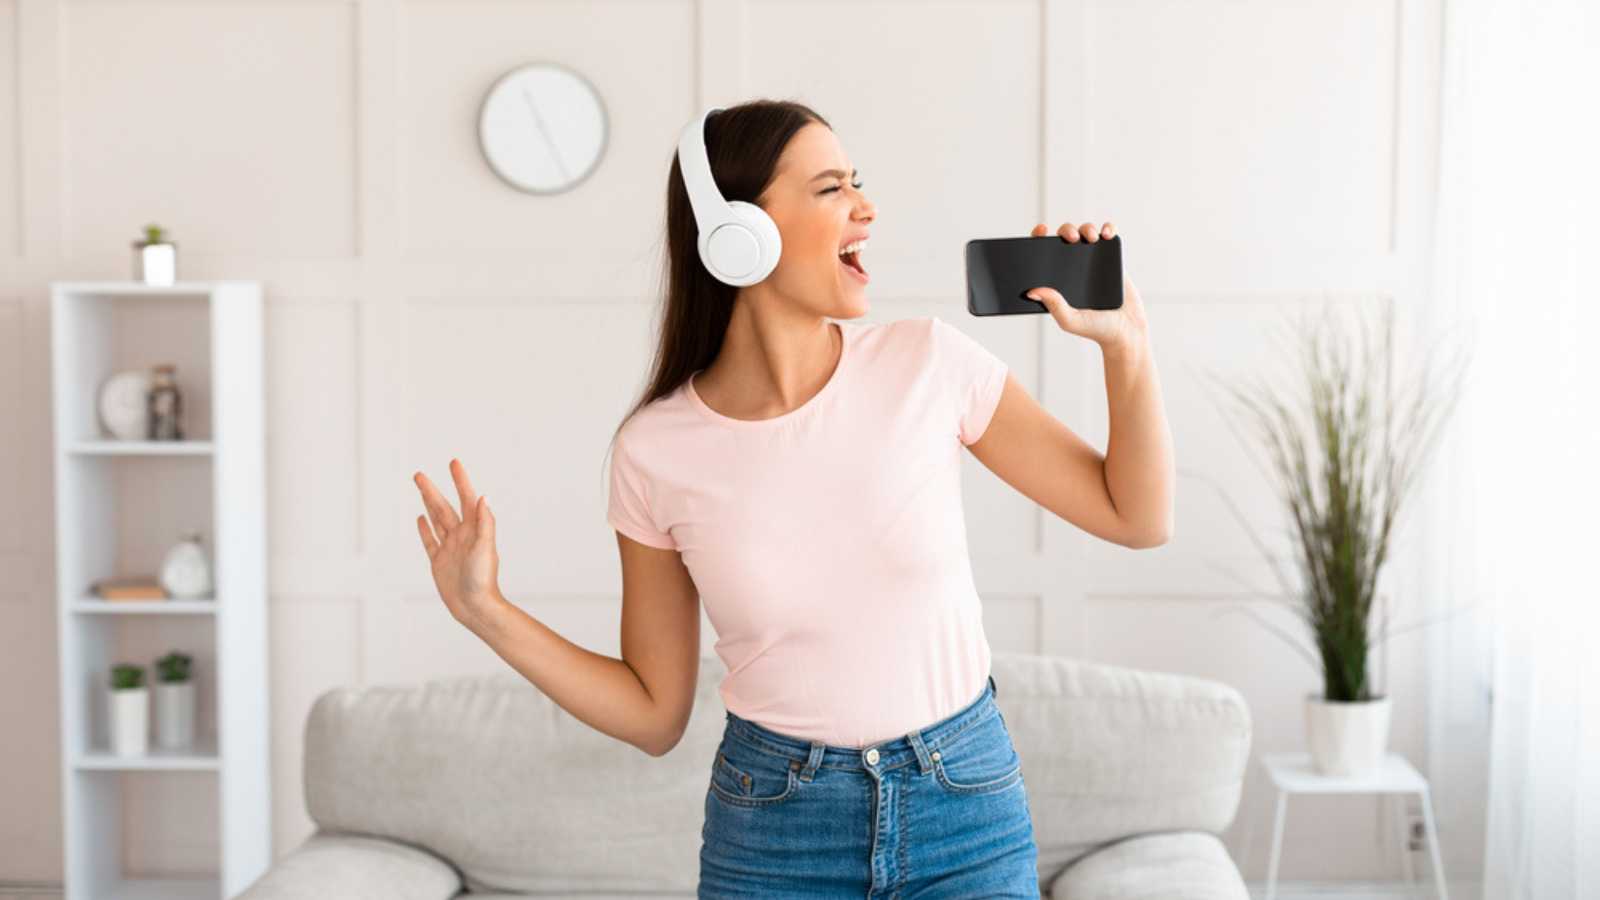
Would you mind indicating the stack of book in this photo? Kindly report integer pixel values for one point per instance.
(129, 587)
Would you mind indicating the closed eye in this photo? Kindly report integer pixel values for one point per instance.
(854, 184)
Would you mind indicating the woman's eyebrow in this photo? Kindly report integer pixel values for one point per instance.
(835, 173)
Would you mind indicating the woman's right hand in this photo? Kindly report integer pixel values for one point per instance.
(466, 566)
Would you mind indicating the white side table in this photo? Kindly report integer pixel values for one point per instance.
(1294, 773)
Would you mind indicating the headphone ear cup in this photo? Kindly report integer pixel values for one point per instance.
(769, 241)
(731, 248)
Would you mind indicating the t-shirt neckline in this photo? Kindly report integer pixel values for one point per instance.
(818, 397)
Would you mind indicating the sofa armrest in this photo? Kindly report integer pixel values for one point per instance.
(356, 867)
(1192, 865)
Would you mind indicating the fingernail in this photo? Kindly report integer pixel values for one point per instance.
(1033, 295)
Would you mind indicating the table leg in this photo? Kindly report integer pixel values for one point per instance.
(1433, 844)
(1277, 845)
(1398, 801)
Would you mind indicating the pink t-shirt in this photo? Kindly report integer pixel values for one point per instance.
(828, 544)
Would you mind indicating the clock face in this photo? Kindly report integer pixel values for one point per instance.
(124, 405)
(542, 128)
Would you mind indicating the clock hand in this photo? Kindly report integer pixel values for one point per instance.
(544, 135)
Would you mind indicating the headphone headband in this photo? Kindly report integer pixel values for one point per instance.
(710, 208)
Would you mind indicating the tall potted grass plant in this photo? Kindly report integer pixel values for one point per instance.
(1345, 451)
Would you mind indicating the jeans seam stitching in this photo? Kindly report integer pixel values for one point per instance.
(996, 784)
(747, 800)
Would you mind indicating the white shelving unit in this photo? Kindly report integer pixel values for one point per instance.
(119, 506)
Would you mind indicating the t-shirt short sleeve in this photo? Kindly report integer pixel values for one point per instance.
(972, 373)
(628, 508)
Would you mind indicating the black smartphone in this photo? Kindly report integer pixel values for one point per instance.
(1000, 272)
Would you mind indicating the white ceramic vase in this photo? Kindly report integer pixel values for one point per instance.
(156, 263)
(175, 714)
(1347, 738)
(130, 721)
(185, 570)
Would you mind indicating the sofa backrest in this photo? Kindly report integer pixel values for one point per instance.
(491, 775)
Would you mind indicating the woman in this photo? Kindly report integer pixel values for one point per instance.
(801, 476)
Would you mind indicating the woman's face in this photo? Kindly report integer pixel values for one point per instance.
(816, 201)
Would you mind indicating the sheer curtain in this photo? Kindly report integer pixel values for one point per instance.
(1517, 265)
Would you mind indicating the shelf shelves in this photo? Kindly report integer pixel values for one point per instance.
(202, 757)
(207, 888)
(110, 447)
(202, 289)
(120, 505)
(95, 606)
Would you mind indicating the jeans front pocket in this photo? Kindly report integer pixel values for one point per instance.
(744, 776)
(982, 762)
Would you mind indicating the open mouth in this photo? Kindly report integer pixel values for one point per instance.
(852, 262)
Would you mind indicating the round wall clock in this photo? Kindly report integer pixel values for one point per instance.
(542, 128)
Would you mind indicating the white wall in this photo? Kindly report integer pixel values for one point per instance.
(1254, 155)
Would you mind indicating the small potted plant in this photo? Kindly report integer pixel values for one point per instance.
(155, 258)
(174, 701)
(130, 710)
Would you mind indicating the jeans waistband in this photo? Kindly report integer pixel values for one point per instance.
(806, 756)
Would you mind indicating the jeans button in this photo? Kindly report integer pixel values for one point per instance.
(872, 756)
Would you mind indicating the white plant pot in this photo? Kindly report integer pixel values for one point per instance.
(157, 263)
(1347, 738)
(130, 721)
(175, 714)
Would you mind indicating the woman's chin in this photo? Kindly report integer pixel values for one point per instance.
(851, 306)
(850, 286)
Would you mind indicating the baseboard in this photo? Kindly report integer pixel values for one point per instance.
(31, 889)
(1362, 890)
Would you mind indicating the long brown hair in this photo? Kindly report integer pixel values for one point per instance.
(743, 144)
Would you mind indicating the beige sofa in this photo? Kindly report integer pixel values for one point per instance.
(483, 785)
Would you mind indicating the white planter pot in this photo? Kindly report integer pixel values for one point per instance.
(175, 714)
(130, 721)
(1347, 738)
(156, 263)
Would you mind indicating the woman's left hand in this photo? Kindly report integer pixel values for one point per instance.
(1107, 327)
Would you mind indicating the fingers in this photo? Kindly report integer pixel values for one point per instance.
(1053, 301)
(1039, 230)
(485, 522)
(444, 518)
(469, 497)
(1085, 232)
(429, 542)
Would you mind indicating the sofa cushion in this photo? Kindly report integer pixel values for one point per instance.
(1109, 752)
(1192, 865)
(489, 773)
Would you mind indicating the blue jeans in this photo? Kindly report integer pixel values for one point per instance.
(941, 812)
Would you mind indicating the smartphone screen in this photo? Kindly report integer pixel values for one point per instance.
(1000, 272)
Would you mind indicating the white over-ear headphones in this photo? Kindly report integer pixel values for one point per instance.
(738, 242)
